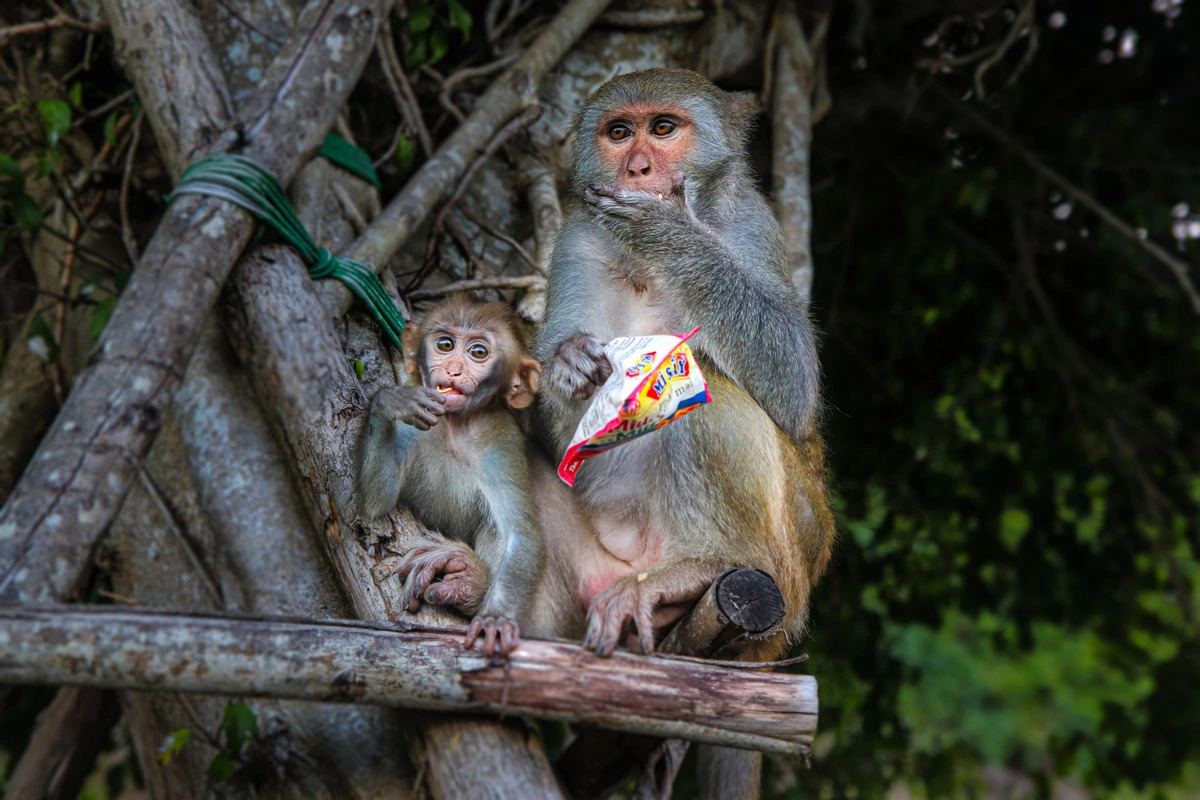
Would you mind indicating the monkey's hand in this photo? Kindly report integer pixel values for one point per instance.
(464, 576)
(579, 368)
(418, 406)
(641, 220)
(626, 600)
(501, 635)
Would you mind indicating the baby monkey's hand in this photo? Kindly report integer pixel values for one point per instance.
(418, 406)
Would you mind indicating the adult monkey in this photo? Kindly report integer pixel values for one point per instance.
(668, 232)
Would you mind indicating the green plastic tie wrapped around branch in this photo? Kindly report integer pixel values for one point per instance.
(244, 183)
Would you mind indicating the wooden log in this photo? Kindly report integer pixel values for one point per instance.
(336, 661)
(83, 468)
(741, 604)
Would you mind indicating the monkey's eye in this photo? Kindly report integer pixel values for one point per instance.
(478, 351)
(663, 127)
(444, 344)
(618, 132)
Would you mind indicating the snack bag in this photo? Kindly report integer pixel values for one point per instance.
(655, 380)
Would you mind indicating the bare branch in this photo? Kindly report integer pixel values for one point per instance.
(84, 466)
(499, 282)
(1177, 267)
(335, 661)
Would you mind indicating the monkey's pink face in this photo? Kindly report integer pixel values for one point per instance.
(645, 145)
(462, 365)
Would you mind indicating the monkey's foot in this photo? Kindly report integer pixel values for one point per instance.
(501, 635)
(464, 577)
(626, 601)
(579, 368)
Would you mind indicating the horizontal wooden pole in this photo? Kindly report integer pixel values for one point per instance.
(343, 661)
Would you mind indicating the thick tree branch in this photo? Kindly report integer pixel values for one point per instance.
(83, 468)
(513, 91)
(792, 120)
(359, 662)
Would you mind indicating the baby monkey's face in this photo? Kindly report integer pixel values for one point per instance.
(463, 365)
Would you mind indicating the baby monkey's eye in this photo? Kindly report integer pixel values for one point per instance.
(663, 127)
(444, 344)
(618, 132)
(478, 351)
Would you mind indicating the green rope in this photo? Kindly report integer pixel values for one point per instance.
(349, 157)
(244, 183)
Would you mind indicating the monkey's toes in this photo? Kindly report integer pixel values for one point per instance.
(501, 635)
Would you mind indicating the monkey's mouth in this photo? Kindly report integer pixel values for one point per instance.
(450, 390)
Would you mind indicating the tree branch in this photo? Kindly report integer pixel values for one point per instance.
(84, 466)
(1177, 267)
(336, 661)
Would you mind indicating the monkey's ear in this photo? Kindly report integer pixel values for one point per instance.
(744, 106)
(527, 380)
(410, 340)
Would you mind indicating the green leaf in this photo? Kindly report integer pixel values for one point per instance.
(47, 160)
(10, 169)
(406, 151)
(360, 368)
(420, 17)
(240, 726)
(75, 93)
(221, 767)
(461, 19)
(439, 45)
(418, 52)
(110, 127)
(26, 212)
(171, 745)
(41, 340)
(100, 315)
(57, 115)
(1014, 524)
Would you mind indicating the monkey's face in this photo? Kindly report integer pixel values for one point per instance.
(465, 365)
(642, 145)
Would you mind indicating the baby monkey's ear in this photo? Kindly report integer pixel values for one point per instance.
(526, 380)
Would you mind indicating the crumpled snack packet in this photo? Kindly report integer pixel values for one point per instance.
(655, 380)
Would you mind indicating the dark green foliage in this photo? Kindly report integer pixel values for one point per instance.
(1013, 417)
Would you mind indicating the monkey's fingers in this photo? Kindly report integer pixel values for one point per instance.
(644, 622)
(489, 635)
(510, 636)
(418, 581)
(473, 631)
(411, 557)
(677, 185)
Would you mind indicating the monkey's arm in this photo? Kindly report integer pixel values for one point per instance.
(570, 340)
(731, 282)
(513, 546)
(397, 418)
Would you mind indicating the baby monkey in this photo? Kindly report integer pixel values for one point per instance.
(448, 447)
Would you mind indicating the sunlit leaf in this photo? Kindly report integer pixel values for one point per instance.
(172, 745)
